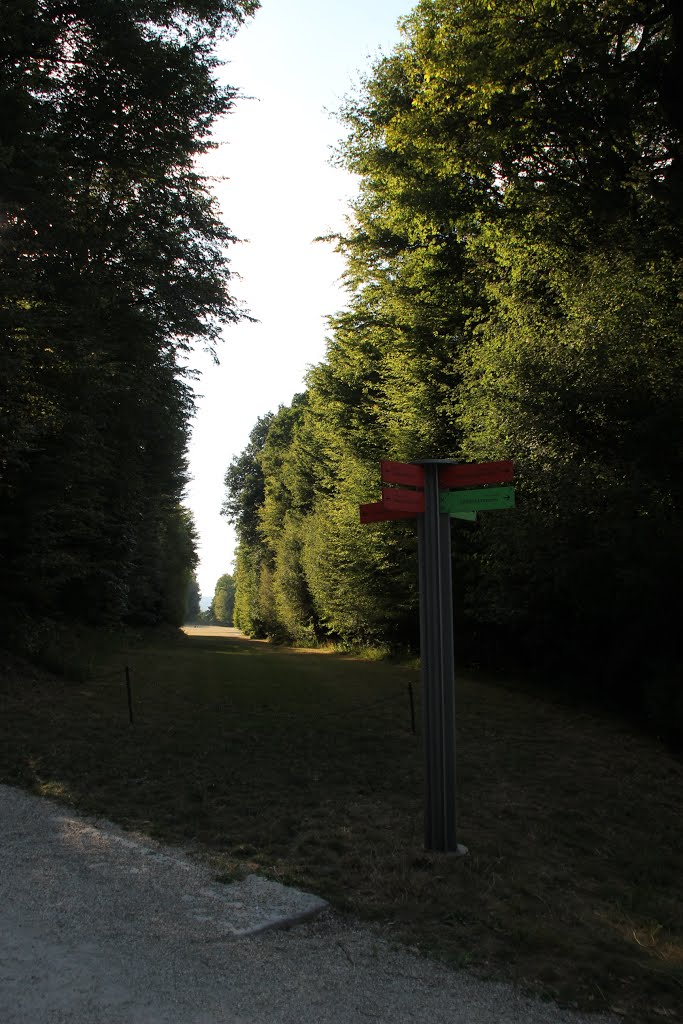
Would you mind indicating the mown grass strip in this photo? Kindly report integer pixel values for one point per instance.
(302, 766)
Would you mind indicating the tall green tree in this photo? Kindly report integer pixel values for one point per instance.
(539, 146)
(193, 601)
(245, 492)
(223, 603)
(113, 264)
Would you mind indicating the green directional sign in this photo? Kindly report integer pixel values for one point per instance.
(480, 500)
(472, 516)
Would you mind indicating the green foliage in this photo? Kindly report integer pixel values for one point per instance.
(223, 604)
(248, 614)
(113, 264)
(244, 484)
(514, 272)
(192, 601)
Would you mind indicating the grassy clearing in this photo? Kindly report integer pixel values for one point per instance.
(302, 765)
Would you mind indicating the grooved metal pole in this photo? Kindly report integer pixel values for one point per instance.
(129, 693)
(438, 669)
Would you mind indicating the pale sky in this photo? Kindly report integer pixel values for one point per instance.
(298, 59)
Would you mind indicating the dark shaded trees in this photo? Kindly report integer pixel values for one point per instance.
(192, 601)
(113, 262)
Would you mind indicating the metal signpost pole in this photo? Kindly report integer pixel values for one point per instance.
(438, 671)
(432, 492)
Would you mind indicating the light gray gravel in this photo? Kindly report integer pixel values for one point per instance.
(98, 927)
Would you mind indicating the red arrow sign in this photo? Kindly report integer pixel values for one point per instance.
(474, 473)
(402, 473)
(399, 500)
(377, 512)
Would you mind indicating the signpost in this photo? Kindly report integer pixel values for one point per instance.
(400, 500)
(377, 512)
(471, 474)
(437, 669)
(476, 500)
(434, 505)
(408, 473)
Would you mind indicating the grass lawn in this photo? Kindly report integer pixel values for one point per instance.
(302, 766)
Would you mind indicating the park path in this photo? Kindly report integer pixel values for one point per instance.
(234, 634)
(229, 632)
(98, 926)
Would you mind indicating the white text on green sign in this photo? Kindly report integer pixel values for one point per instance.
(481, 499)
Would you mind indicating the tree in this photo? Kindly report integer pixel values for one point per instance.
(192, 601)
(223, 603)
(113, 265)
(245, 484)
(245, 489)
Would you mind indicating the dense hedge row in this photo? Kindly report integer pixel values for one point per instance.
(112, 265)
(514, 272)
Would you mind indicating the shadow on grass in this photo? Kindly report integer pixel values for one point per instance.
(302, 766)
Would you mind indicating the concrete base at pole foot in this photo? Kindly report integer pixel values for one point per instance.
(459, 851)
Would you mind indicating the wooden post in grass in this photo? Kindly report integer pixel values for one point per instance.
(411, 698)
(130, 696)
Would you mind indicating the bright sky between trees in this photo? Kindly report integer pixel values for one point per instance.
(297, 59)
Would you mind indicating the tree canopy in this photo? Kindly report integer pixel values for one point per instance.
(223, 603)
(113, 263)
(514, 274)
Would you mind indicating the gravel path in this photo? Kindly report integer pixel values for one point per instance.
(98, 927)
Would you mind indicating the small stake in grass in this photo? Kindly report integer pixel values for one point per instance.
(412, 707)
(130, 696)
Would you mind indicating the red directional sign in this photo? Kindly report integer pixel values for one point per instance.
(377, 512)
(474, 473)
(402, 473)
(399, 500)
